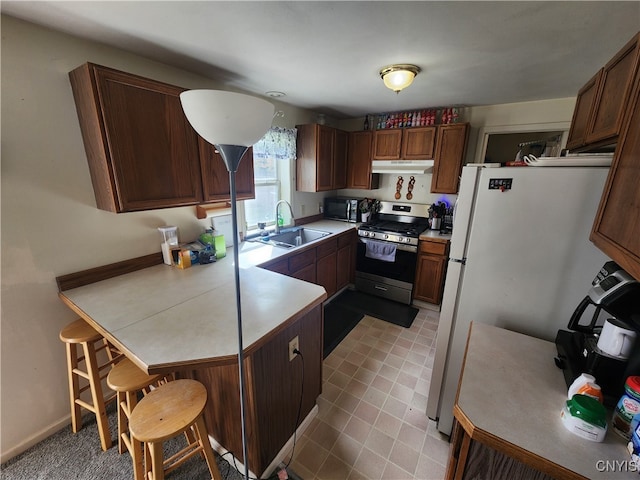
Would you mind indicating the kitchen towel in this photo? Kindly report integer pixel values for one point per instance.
(383, 251)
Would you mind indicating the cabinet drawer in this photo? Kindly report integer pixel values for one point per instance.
(327, 248)
(434, 248)
(302, 260)
(346, 240)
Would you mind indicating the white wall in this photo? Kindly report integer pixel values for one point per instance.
(51, 227)
(50, 224)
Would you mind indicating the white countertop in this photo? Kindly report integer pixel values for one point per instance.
(165, 317)
(511, 389)
(256, 253)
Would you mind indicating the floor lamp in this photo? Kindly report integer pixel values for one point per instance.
(232, 122)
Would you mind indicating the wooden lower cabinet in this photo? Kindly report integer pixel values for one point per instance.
(430, 271)
(326, 265)
(346, 260)
(331, 264)
(273, 391)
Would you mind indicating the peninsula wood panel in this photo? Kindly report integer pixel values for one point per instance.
(273, 392)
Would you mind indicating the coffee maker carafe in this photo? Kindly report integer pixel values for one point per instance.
(604, 345)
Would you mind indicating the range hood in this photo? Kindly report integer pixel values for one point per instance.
(415, 167)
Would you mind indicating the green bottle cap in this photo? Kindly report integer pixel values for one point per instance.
(588, 409)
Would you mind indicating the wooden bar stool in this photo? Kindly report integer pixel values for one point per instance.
(127, 380)
(80, 334)
(169, 410)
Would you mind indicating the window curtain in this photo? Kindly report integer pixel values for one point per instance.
(278, 143)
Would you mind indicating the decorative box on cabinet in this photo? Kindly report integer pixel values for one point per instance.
(142, 152)
(602, 103)
(450, 149)
(321, 163)
(617, 224)
(359, 161)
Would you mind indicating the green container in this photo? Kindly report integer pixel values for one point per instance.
(220, 246)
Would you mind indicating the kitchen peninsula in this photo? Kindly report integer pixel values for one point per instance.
(170, 320)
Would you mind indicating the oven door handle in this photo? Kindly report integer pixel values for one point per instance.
(399, 246)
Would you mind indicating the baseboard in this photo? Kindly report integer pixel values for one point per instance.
(425, 305)
(279, 458)
(25, 445)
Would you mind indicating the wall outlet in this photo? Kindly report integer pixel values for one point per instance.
(293, 345)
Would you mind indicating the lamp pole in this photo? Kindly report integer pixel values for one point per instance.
(231, 155)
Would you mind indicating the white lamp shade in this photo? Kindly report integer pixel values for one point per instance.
(227, 118)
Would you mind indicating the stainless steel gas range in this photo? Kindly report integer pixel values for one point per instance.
(388, 250)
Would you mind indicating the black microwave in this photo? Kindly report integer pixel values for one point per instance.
(342, 208)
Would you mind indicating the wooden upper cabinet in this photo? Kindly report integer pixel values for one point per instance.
(418, 143)
(340, 146)
(413, 143)
(216, 184)
(359, 161)
(387, 144)
(321, 158)
(142, 152)
(602, 102)
(616, 230)
(614, 92)
(450, 149)
(582, 112)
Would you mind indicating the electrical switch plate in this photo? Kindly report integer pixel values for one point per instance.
(293, 345)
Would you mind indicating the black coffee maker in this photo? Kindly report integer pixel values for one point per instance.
(614, 293)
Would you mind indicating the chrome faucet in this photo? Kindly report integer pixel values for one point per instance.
(290, 210)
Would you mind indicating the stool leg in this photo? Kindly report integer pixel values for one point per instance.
(74, 387)
(98, 399)
(201, 430)
(123, 412)
(157, 466)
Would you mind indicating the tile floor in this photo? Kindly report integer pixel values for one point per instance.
(371, 422)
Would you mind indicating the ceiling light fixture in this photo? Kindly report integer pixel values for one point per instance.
(275, 94)
(398, 77)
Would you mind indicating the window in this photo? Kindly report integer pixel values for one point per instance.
(273, 157)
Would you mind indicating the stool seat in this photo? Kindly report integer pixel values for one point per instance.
(169, 410)
(126, 376)
(79, 332)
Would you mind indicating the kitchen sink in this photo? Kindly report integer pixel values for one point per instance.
(290, 238)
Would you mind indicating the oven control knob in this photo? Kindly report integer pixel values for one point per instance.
(386, 236)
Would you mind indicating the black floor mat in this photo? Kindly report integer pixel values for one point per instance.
(338, 322)
(381, 308)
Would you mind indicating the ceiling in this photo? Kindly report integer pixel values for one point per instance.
(326, 56)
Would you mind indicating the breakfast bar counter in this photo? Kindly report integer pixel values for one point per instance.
(167, 320)
(508, 408)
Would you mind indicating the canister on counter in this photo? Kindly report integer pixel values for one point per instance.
(627, 408)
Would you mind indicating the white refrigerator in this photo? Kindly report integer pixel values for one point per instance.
(520, 258)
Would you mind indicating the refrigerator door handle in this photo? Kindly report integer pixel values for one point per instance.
(462, 260)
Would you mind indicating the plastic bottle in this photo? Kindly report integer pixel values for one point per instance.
(580, 382)
(627, 408)
(591, 390)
